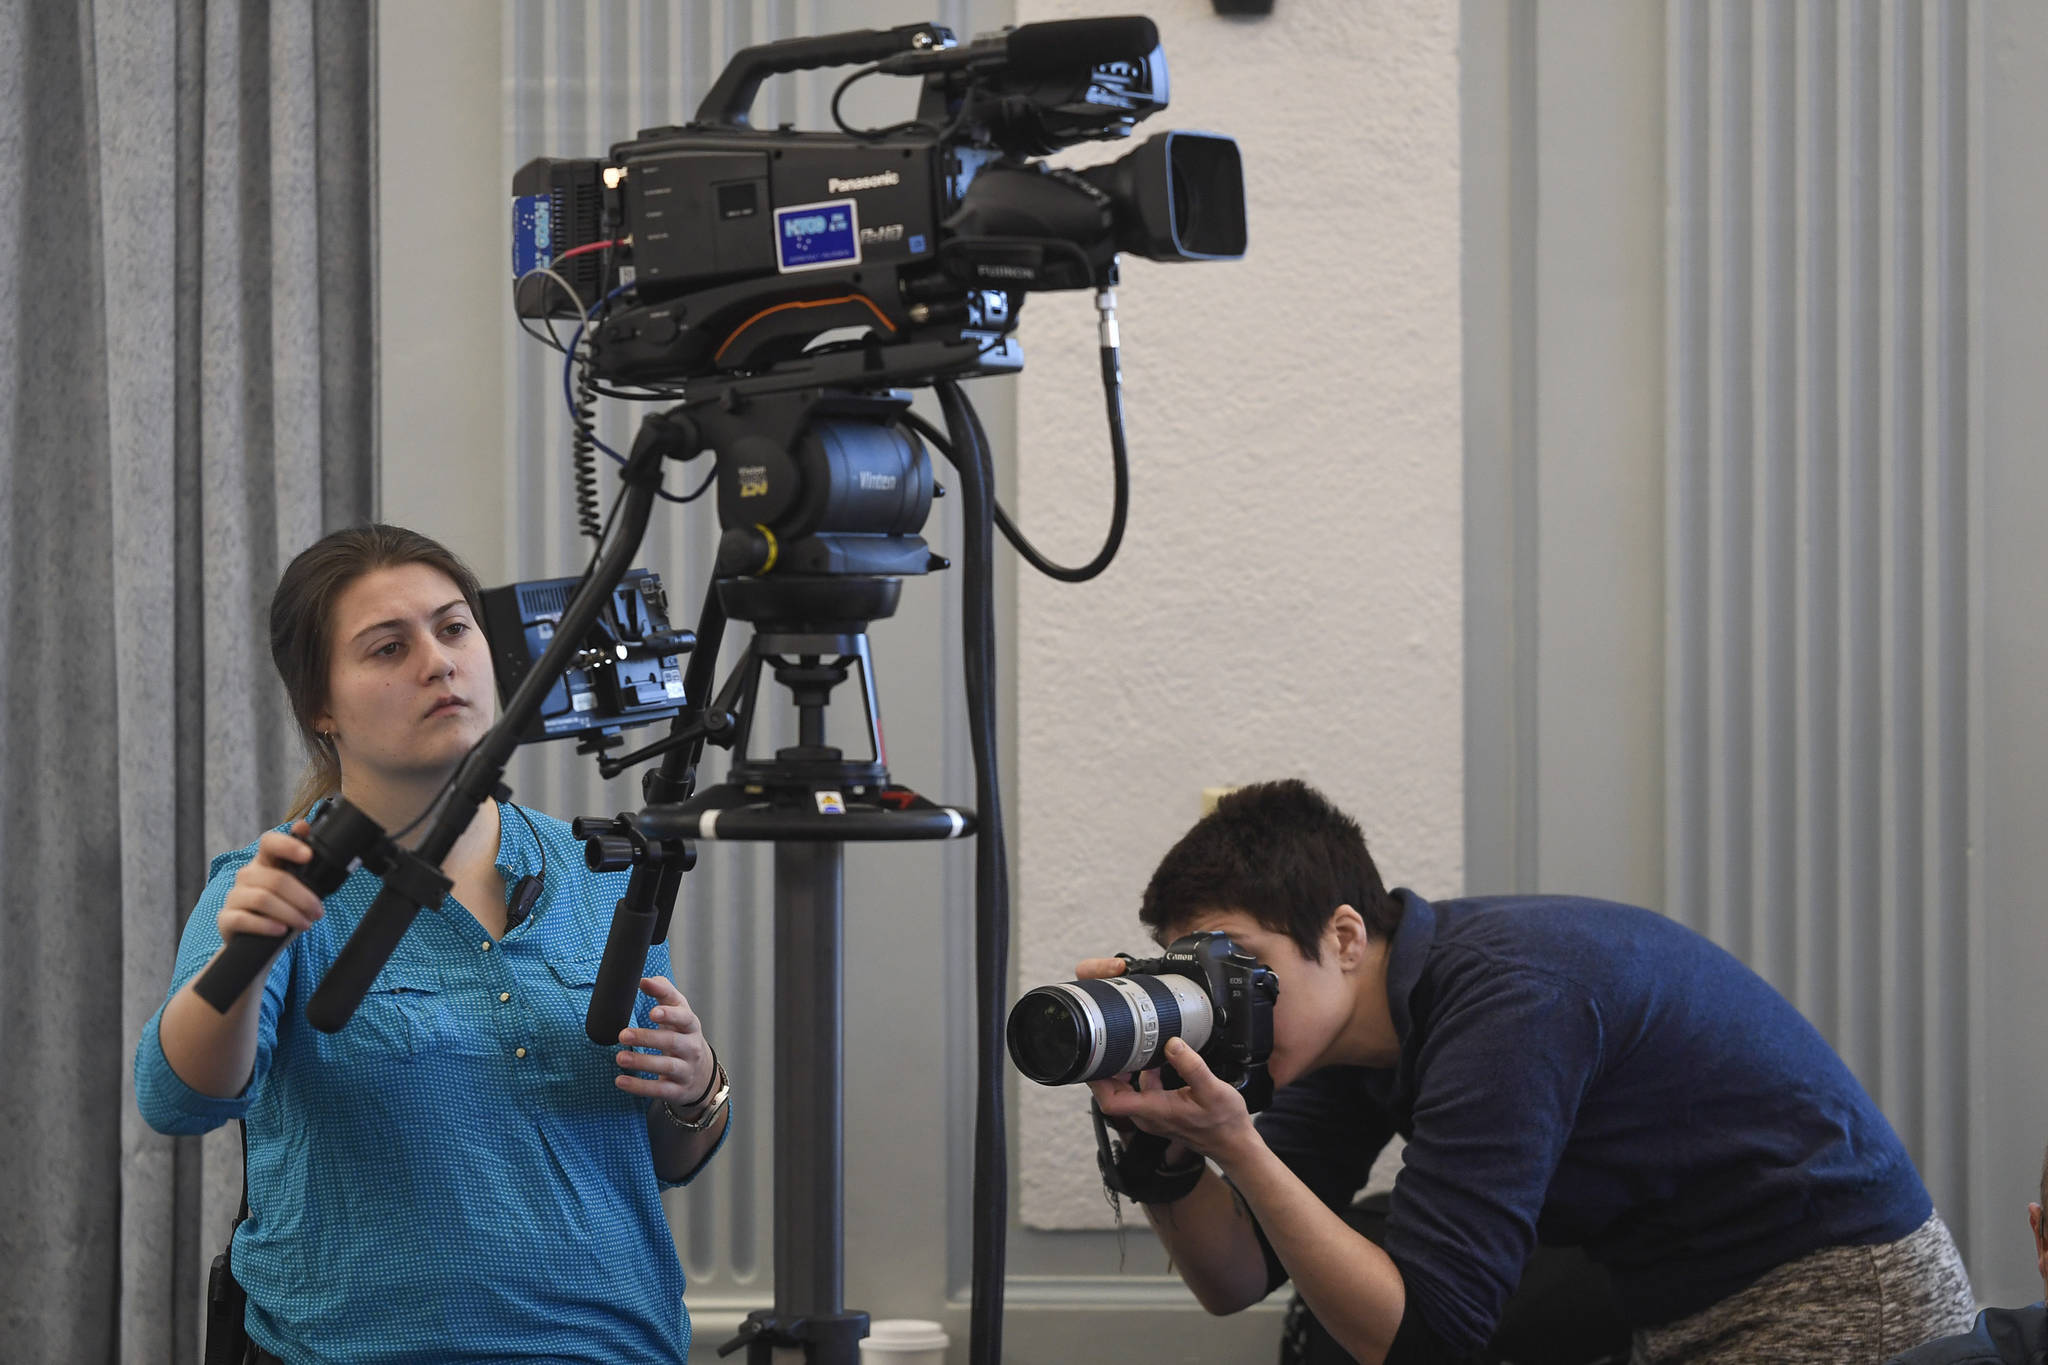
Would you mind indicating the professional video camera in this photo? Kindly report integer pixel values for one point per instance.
(743, 247)
(718, 254)
(1203, 988)
(779, 291)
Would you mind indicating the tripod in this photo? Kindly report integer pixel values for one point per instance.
(810, 800)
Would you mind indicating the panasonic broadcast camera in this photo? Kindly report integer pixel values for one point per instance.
(741, 247)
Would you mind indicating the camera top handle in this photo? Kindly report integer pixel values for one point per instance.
(731, 98)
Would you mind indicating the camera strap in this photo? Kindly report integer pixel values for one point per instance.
(1133, 1164)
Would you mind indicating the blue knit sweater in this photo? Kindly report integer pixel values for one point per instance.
(1582, 1073)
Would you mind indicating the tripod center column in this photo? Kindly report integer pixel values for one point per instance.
(809, 1078)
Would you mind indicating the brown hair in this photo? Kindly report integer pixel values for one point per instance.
(1280, 852)
(302, 626)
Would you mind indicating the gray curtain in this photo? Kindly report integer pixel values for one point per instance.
(187, 389)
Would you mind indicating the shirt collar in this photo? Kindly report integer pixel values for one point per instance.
(1413, 938)
(519, 852)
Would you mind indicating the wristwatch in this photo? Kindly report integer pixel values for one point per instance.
(706, 1109)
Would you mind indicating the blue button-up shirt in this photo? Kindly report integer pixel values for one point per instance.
(454, 1175)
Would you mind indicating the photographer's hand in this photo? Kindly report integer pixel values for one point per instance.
(1353, 1287)
(1206, 1114)
(1098, 969)
(1207, 1232)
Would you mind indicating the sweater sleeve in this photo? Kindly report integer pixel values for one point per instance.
(1328, 1132)
(166, 1102)
(1500, 1076)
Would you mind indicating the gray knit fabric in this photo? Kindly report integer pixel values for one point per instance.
(1838, 1306)
(186, 389)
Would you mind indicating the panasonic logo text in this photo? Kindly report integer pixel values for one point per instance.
(834, 185)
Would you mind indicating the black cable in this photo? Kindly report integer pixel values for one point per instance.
(869, 134)
(547, 338)
(597, 550)
(538, 841)
(583, 453)
(1112, 380)
(703, 487)
(991, 876)
(644, 393)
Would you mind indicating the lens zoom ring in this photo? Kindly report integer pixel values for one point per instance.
(1119, 1027)
(1168, 1006)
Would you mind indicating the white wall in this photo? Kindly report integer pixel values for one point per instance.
(442, 267)
(1288, 599)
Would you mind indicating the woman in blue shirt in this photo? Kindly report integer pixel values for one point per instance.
(458, 1174)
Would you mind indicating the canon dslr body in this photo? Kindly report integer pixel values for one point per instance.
(1204, 989)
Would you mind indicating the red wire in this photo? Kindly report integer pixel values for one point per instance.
(578, 251)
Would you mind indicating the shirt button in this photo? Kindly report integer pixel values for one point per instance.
(520, 1052)
(503, 996)
(485, 945)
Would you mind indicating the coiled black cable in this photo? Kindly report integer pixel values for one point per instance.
(583, 452)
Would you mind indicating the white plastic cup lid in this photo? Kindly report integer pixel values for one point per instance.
(906, 1334)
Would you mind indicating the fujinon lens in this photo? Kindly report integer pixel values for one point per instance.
(1088, 1030)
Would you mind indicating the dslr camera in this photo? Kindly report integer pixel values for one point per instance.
(1204, 989)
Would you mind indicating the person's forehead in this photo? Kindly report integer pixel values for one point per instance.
(395, 591)
(1236, 923)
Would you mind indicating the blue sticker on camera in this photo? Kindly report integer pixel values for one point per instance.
(533, 233)
(817, 236)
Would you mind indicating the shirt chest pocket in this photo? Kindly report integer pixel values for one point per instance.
(568, 984)
(577, 972)
(574, 1057)
(406, 1013)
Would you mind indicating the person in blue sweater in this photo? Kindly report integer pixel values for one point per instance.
(2000, 1336)
(458, 1174)
(1565, 1071)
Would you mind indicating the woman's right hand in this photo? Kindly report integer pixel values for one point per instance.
(267, 897)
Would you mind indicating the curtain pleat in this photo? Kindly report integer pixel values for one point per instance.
(186, 386)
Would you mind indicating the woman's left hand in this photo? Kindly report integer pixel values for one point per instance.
(679, 1066)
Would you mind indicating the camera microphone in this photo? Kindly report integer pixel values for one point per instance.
(1060, 47)
(1063, 46)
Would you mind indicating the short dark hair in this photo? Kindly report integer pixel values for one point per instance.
(301, 626)
(1280, 852)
